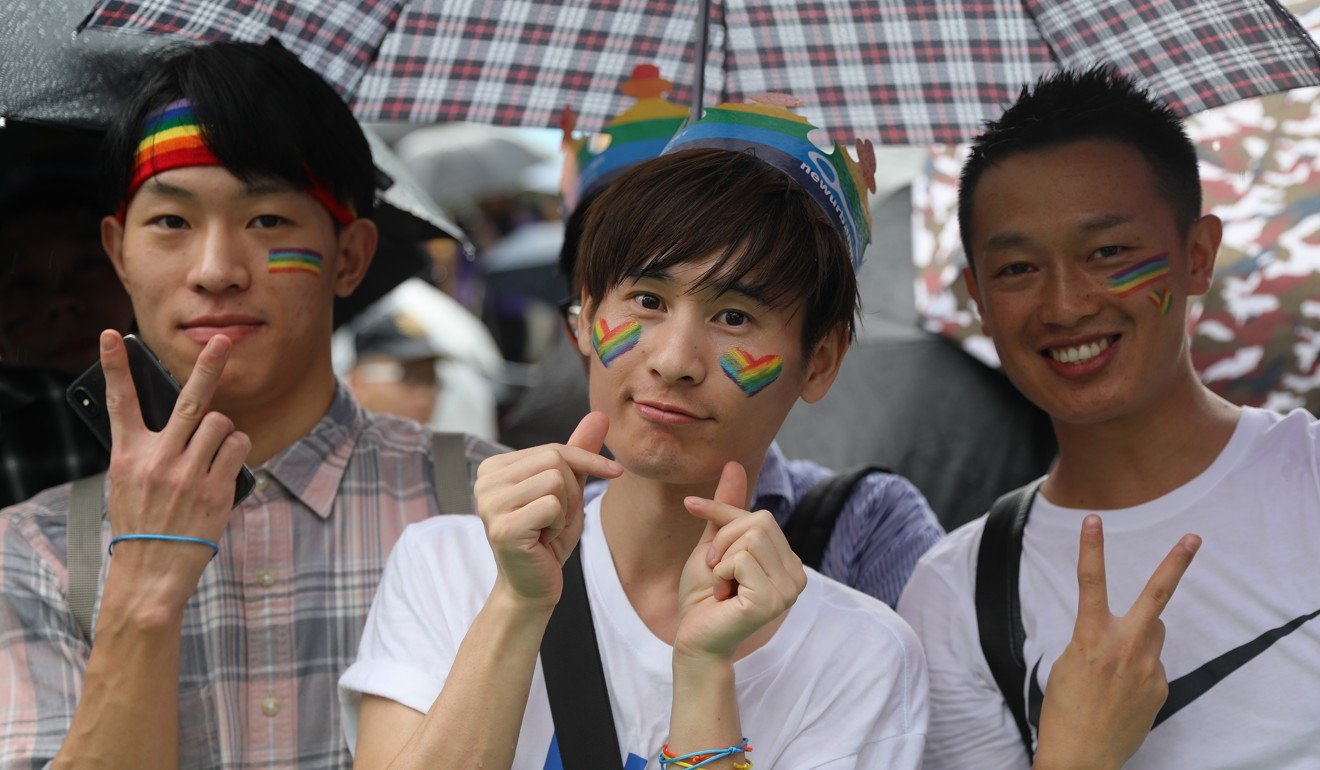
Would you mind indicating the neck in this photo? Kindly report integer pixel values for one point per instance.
(1141, 456)
(273, 425)
(650, 536)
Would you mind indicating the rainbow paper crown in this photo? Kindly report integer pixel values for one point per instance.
(778, 136)
(637, 134)
(172, 138)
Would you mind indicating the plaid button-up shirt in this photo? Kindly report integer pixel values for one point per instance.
(275, 619)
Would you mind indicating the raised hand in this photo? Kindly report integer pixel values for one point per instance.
(741, 576)
(531, 504)
(1106, 688)
(179, 481)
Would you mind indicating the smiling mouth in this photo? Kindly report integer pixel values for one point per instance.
(1080, 354)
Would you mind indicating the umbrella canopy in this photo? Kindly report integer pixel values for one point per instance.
(462, 163)
(899, 71)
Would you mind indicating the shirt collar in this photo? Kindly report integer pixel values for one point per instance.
(774, 487)
(312, 467)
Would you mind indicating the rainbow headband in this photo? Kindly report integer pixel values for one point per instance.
(172, 138)
(778, 136)
(637, 134)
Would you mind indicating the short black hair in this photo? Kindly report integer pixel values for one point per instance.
(692, 204)
(262, 113)
(1075, 105)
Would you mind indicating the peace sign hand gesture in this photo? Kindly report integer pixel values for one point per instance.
(1105, 690)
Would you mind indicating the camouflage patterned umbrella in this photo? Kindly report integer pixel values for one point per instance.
(898, 71)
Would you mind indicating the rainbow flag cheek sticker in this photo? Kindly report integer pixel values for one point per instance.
(612, 343)
(1127, 282)
(750, 373)
(294, 261)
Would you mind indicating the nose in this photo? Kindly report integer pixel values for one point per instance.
(677, 349)
(1071, 296)
(221, 263)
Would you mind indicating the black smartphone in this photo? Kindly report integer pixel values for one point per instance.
(157, 390)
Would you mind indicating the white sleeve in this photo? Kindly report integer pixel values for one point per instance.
(970, 725)
(411, 636)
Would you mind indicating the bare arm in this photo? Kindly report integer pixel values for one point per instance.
(178, 482)
(531, 504)
(740, 580)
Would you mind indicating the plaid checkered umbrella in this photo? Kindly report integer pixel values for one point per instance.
(898, 71)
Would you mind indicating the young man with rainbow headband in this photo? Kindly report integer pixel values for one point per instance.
(241, 185)
(1080, 211)
(717, 289)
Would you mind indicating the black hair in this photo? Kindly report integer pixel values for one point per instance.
(762, 227)
(1074, 105)
(262, 113)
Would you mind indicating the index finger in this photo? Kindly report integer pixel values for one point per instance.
(1092, 588)
(1159, 589)
(121, 402)
(195, 398)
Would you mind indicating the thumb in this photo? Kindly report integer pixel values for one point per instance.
(590, 435)
(732, 489)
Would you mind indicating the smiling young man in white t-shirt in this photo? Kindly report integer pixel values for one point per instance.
(1081, 217)
(717, 291)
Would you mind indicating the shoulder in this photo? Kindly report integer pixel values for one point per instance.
(880, 496)
(856, 614)
(444, 543)
(36, 527)
(392, 435)
(1297, 428)
(943, 584)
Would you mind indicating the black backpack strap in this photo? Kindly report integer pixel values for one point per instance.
(998, 604)
(811, 524)
(575, 679)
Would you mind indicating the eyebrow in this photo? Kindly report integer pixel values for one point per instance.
(740, 288)
(1104, 222)
(259, 189)
(1006, 241)
(1009, 241)
(168, 190)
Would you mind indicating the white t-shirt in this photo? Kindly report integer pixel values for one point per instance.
(1257, 508)
(842, 684)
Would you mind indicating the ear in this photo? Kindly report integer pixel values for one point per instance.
(823, 365)
(357, 247)
(586, 318)
(112, 241)
(1203, 239)
(974, 291)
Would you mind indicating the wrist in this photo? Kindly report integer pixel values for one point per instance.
(513, 606)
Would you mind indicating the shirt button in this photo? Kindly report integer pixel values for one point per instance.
(270, 707)
(266, 578)
(263, 480)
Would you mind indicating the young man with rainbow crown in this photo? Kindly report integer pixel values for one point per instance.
(717, 289)
(242, 187)
(1080, 211)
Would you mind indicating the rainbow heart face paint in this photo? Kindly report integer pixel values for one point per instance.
(612, 343)
(750, 373)
(1131, 280)
(294, 261)
(1163, 300)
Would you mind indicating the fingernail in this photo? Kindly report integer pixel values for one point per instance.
(711, 557)
(1091, 524)
(693, 502)
(1192, 543)
(107, 342)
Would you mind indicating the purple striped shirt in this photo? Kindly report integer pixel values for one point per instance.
(275, 619)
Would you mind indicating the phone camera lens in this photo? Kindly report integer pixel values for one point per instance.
(85, 400)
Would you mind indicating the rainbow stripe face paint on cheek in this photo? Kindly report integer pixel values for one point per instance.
(612, 343)
(1131, 280)
(1162, 299)
(750, 373)
(294, 261)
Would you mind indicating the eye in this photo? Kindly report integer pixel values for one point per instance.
(649, 301)
(732, 317)
(169, 222)
(267, 221)
(1013, 269)
(1105, 252)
